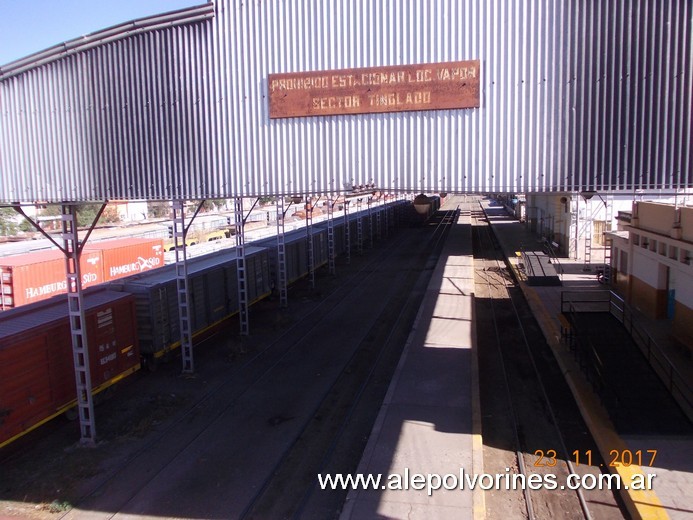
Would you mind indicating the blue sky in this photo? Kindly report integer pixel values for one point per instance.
(28, 26)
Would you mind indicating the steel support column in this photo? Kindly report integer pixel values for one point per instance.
(606, 240)
(369, 203)
(240, 267)
(347, 232)
(309, 243)
(182, 291)
(359, 226)
(330, 235)
(281, 255)
(78, 325)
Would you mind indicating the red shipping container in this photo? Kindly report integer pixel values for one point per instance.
(37, 380)
(36, 276)
(128, 256)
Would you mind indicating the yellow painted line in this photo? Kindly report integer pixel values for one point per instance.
(640, 504)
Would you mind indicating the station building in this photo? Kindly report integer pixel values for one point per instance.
(651, 261)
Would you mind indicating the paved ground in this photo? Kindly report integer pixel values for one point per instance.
(429, 421)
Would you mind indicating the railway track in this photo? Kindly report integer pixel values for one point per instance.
(241, 403)
(530, 424)
(375, 360)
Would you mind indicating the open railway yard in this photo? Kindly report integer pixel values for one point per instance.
(247, 434)
(263, 415)
(530, 421)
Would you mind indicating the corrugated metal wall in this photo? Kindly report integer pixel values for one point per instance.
(574, 95)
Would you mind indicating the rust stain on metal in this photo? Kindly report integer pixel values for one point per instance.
(434, 86)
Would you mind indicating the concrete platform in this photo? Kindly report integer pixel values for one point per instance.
(672, 495)
(429, 422)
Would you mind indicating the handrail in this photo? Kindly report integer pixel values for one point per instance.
(608, 301)
(589, 360)
(554, 258)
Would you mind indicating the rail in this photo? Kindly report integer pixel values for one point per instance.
(607, 301)
(586, 354)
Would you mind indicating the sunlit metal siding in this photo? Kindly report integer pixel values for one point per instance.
(154, 108)
(633, 78)
(126, 119)
(575, 95)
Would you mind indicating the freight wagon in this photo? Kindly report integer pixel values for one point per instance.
(138, 315)
(213, 297)
(296, 243)
(37, 378)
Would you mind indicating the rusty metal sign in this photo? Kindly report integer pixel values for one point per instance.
(435, 86)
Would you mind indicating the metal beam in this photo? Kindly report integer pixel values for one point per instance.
(180, 232)
(38, 228)
(240, 266)
(78, 325)
(330, 235)
(347, 232)
(281, 254)
(309, 242)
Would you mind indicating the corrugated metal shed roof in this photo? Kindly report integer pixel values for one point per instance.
(109, 35)
(575, 96)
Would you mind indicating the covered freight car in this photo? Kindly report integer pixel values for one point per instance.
(296, 247)
(213, 296)
(37, 379)
(296, 241)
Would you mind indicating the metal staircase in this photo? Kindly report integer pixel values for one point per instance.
(587, 230)
(370, 222)
(609, 203)
(359, 227)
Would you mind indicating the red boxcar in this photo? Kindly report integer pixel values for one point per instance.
(36, 276)
(37, 380)
(128, 256)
